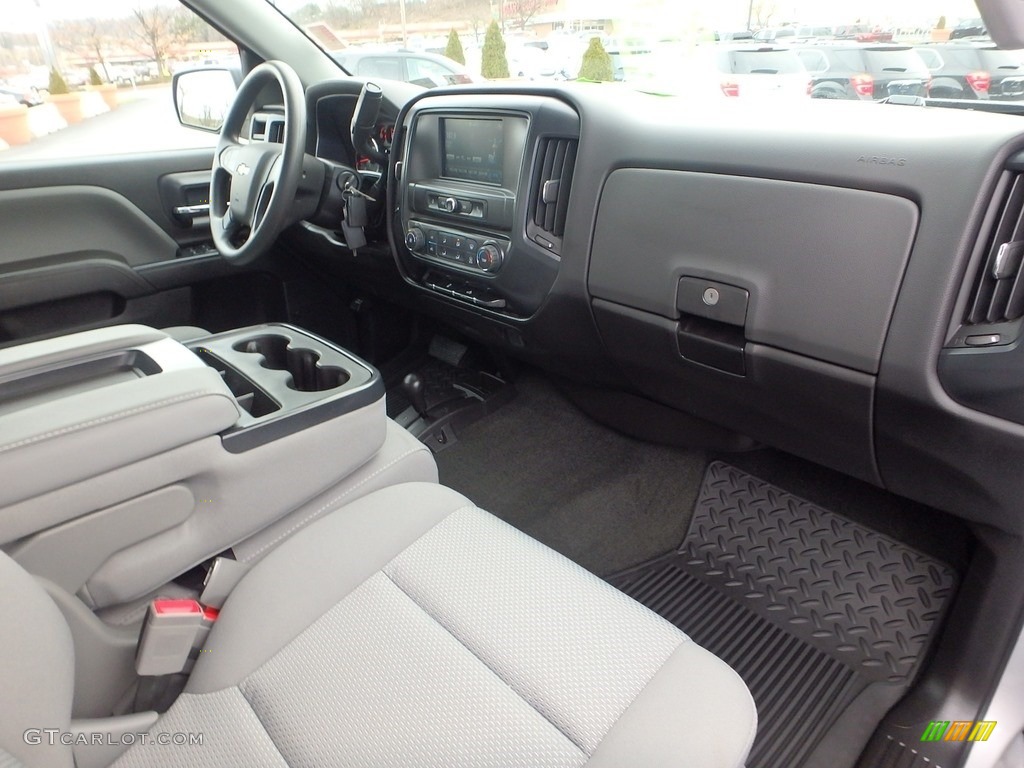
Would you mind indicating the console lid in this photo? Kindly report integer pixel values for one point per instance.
(77, 406)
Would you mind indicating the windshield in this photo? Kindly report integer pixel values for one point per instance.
(837, 50)
(665, 46)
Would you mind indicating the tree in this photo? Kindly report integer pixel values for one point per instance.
(761, 13)
(597, 64)
(308, 14)
(57, 84)
(454, 48)
(89, 39)
(158, 30)
(494, 63)
(941, 23)
(520, 12)
(94, 77)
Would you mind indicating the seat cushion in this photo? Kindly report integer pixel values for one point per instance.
(412, 628)
(37, 668)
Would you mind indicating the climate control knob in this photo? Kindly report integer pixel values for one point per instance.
(489, 257)
(415, 239)
(452, 205)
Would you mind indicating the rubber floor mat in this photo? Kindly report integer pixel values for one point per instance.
(827, 621)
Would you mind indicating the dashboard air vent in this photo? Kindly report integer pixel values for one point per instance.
(998, 294)
(549, 198)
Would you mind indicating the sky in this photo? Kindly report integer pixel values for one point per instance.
(23, 15)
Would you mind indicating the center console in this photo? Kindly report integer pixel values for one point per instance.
(128, 457)
(284, 380)
(482, 184)
(460, 208)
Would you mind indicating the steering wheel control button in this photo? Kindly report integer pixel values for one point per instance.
(712, 300)
(984, 340)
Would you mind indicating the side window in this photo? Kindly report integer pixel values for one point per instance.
(931, 58)
(95, 79)
(381, 66)
(813, 61)
(851, 60)
(428, 73)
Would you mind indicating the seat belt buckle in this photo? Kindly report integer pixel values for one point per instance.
(222, 577)
(209, 617)
(168, 636)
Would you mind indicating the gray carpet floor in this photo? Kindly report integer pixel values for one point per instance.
(600, 498)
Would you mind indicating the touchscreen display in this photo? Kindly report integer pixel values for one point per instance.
(474, 149)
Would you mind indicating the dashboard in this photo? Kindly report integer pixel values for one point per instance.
(813, 279)
(473, 177)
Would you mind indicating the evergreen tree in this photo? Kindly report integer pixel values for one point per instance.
(94, 77)
(57, 83)
(454, 48)
(597, 64)
(494, 63)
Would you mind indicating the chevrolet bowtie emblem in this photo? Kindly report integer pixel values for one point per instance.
(242, 169)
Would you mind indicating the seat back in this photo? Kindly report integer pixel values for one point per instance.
(37, 672)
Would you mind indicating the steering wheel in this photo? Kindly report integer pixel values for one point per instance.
(253, 183)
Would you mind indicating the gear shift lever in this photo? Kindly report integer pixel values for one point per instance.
(413, 386)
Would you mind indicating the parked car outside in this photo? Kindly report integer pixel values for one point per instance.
(529, 62)
(864, 72)
(973, 27)
(29, 96)
(725, 35)
(863, 33)
(748, 72)
(419, 67)
(965, 70)
(813, 33)
(776, 34)
(629, 60)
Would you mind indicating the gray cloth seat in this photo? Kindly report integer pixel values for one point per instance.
(411, 628)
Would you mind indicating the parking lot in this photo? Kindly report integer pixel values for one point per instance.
(144, 121)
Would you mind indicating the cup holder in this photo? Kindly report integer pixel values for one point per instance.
(308, 375)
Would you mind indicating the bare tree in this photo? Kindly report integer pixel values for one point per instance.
(89, 39)
(158, 29)
(761, 12)
(520, 12)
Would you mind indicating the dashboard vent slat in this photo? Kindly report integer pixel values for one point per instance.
(552, 184)
(998, 294)
(1015, 304)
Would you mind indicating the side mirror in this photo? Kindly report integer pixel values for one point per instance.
(202, 97)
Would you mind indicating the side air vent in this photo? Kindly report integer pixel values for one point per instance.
(549, 194)
(267, 127)
(998, 294)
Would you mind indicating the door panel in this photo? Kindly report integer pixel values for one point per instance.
(58, 222)
(93, 242)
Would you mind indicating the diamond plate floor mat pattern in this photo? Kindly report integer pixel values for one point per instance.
(826, 620)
